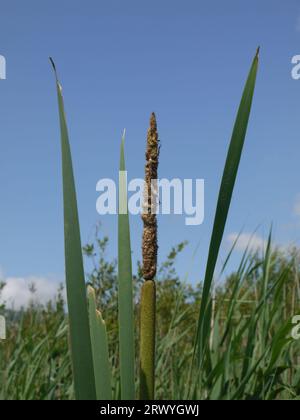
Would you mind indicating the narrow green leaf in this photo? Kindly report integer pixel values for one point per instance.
(76, 290)
(225, 195)
(102, 366)
(125, 293)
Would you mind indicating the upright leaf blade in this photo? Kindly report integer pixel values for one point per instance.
(225, 195)
(102, 366)
(125, 294)
(80, 339)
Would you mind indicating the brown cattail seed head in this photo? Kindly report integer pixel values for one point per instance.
(149, 247)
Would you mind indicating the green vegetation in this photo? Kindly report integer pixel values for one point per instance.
(80, 339)
(238, 345)
(250, 355)
(125, 293)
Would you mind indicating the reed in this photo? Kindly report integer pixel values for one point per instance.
(80, 339)
(149, 268)
(223, 205)
(125, 292)
(236, 356)
(101, 363)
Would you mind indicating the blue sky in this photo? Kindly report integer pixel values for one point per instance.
(118, 61)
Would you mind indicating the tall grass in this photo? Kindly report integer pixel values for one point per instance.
(102, 367)
(238, 347)
(223, 204)
(80, 338)
(125, 292)
(242, 363)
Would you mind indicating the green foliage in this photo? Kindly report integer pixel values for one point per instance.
(222, 209)
(102, 368)
(80, 340)
(125, 292)
(34, 360)
(245, 360)
(243, 347)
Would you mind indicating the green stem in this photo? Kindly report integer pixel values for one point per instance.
(147, 343)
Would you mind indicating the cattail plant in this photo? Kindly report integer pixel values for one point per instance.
(125, 292)
(87, 330)
(223, 204)
(149, 250)
(80, 338)
(88, 337)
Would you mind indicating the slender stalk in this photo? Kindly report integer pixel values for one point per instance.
(149, 249)
(147, 374)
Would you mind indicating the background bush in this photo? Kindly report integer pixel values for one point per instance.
(251, 354)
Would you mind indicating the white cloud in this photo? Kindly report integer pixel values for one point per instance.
(254, 242)
(16, 292)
